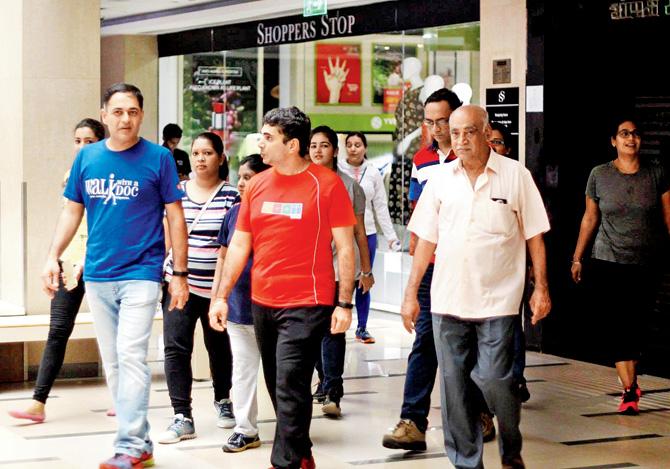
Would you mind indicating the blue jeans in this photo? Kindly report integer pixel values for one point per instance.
(123, 314)
(422, 361)
(476, 354)
(363, 299)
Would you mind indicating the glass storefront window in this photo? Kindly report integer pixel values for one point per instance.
(374, 84)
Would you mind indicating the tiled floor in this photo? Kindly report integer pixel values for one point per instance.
(569, 422)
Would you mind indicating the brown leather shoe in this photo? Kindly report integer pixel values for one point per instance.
(488, 428)
(514, 463)
(406, 435)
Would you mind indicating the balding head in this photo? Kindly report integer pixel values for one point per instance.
(473, 112)
(470, 132)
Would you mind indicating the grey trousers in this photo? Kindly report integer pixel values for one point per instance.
(469, 354)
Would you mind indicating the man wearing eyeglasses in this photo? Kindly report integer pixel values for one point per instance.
(477, 215)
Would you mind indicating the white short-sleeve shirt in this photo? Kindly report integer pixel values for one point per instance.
(481, 235)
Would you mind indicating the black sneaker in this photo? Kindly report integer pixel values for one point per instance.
(238, 442)
(319, 395)
(522, 392)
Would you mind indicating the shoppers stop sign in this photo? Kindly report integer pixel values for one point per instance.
(307, 30)
(341, 22)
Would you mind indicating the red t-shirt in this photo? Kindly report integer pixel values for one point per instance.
(290, 220)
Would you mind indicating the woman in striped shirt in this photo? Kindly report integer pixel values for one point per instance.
(207, 198)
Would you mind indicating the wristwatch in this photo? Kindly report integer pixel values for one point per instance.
(366, 274)
(180, 273)
(342, 304)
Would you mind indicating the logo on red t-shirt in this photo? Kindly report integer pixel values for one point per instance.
(291, 210)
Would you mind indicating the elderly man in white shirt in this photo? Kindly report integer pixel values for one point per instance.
(477, 214)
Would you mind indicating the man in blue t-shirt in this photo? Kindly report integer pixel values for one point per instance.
(125, 183)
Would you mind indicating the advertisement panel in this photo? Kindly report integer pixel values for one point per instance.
(338, 73)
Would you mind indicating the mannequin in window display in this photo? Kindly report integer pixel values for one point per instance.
(408, 116)
(463, 91)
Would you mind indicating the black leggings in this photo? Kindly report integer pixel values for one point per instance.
(624, 296)
(178, 330)
(64, 309)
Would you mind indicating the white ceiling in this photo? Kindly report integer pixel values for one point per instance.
(164, 16)
(110, 9)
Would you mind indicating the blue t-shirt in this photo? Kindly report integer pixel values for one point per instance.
(239, 301)
(124, 193)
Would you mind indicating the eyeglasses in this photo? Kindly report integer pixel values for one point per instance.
(496, 141)
(443, 122)
(625, 133)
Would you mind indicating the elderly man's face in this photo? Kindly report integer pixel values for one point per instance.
(469, 133)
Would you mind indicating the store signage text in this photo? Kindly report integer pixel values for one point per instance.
(212, 78)
(627, 10)
(305, 30)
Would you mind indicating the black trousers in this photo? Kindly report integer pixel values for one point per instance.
(623, 313)
(64, 308)
(178, 330)
(290, 341)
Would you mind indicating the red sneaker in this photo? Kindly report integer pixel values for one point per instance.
(304, 463)
(629, 402)
(126, 461)
(308, 463)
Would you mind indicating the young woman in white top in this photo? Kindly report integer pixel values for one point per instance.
(376, 208)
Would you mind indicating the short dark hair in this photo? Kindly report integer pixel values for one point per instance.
(504, 130)
(95, 125)
(444, 94)
(292, 123)
(217, 145)
(255, 162)
(123, 88)
(171, 131)
(617, 119)
(328, 132)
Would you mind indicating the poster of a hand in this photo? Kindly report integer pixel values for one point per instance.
(338, 74)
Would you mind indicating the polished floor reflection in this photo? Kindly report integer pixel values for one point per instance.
(569, 422)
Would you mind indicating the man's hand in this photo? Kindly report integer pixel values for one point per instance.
(218, 314)
(50, 277)
(335, 78)
(409, 311)
(178, 293)
(78, 271)
(365, 282)
(340, 321)
(540, 304)
(576, 271)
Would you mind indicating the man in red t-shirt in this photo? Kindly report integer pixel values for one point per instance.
(289, 217)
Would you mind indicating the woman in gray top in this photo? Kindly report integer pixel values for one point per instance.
(628, 210)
